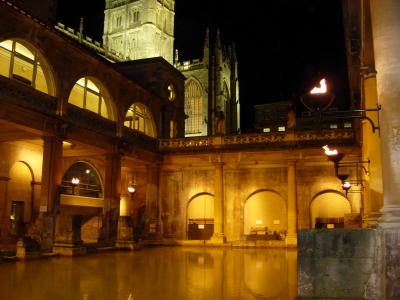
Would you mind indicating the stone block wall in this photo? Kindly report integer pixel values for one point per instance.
(340, 264)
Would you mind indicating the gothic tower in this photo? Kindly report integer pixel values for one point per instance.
(136, 29)
(212, 89)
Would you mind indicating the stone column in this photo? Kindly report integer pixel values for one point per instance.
(5, 208)
(152, 201)
(51, 174)
(373, 195)
(385, 30)
(112, 191)
(291, 238)
(218, 236)
(385, 27)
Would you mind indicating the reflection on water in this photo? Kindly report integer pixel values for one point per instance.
(156, 273)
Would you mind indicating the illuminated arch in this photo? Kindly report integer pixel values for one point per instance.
(139, 117)
(24, 63)
(328, 204)
(193, 107)
(265, 209)
(90, 184)
(19, 193)
(200, 216)
(88, 93)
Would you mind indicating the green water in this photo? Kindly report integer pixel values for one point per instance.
(155, 273)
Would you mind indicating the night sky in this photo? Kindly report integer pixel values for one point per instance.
(283, 49)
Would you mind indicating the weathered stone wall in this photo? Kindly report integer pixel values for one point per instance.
(340, 264)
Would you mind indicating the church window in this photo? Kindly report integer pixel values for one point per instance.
(20, 63)
(89, 95)
(134, 16)
(118, 21)
(193, 108)
(139, 118)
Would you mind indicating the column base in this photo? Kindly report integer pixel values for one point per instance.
(370, 220)
(217, 239)
(69, 249)
(390, 217)
(291, 240)
(127, 245)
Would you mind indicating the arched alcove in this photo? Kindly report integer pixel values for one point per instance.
(265, 214)
(329, 208)
(200, 216)
(19, 193)
(89, 184)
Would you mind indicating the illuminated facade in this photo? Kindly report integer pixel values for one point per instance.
(69, 113)
(211, 89)
(139, 29)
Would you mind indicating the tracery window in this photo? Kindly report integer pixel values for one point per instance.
(134, 16)
(193, 108)
(88, 95)
(20, 63)
(139, 118)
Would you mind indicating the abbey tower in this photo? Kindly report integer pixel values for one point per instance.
(136, 29)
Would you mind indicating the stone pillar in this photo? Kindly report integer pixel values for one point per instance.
(218, 236)
(112, 191)
(385, 26)
(385, 30)
(51, 174)
(153, 224)
(5, 209)
(373, 193)
(291, 238)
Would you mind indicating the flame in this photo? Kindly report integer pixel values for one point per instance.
(321, 89)
(329, 151)
(346, 185)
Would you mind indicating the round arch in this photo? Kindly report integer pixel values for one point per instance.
(264, 212)
(90, 183)
(328, 207)
(139, 117)
(89, 93)
(20, 195)
(22, 61)
(200, 217)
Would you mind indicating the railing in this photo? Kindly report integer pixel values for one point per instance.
(257, 140)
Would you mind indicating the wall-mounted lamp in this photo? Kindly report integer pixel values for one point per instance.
(335, 156)
(319, 99)
(74, 183)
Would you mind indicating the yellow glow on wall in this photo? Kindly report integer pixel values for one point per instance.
(329, 205)
(268, 207)
(19, 187)
(260, 272)
(201, 207)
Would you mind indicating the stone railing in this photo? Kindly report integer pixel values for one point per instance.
(258, 140)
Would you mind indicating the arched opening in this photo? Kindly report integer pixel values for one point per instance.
(20, 195)
(265, 216)
(88, 93)
(193, 107)
(23, 63)
(328, 209)
(87, 182)
(139, 117)
(200, 214)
